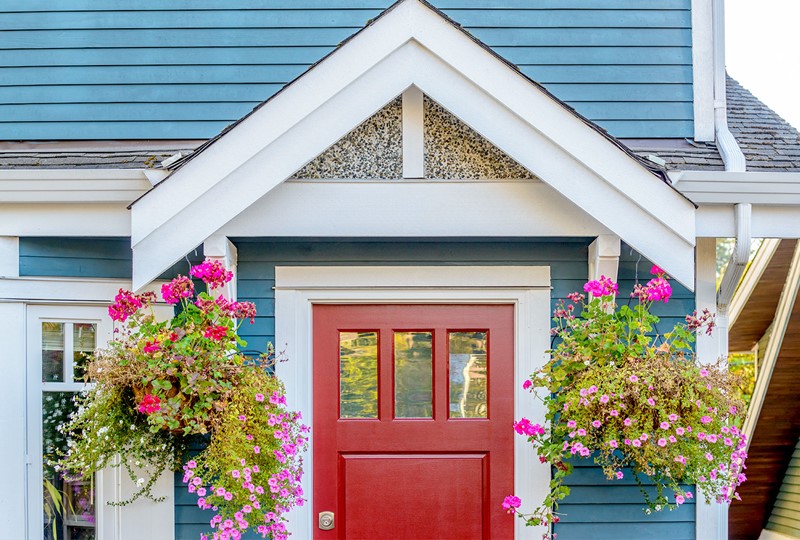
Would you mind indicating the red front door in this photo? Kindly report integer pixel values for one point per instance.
(413, 408)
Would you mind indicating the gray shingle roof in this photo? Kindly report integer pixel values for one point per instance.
(81, 159)
(769, 142)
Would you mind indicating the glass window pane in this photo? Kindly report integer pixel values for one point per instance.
(358, 374)
(84, 339)
(413, 375)
(468, 375)
(52, 352)
(68, 506)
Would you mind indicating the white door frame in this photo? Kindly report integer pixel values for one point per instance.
(297, 289)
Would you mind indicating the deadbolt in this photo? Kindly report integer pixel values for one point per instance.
(326, 521)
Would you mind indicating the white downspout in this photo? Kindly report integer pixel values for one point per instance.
(717, 526)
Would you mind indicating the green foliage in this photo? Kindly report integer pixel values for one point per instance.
(634, 400)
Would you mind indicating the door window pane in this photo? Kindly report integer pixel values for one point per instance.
(413, 375)
(52, 352)
(468, 375)
(358, 374)
(69, 507)
(84, 339)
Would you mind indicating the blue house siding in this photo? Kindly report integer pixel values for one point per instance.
(87, 258)
(98, 69)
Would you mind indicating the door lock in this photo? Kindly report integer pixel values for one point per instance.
(326, 521)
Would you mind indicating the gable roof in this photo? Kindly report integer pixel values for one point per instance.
(413, 44)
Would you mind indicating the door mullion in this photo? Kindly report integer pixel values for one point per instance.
(386, 374)
(441, 396)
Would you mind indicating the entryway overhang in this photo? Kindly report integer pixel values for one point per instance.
(413, 44)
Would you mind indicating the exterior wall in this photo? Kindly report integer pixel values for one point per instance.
(785, 517)
(91, 69)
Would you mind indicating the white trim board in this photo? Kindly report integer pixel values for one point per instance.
(528, 288)
(412, 45)
(413, 208)
(75, 185)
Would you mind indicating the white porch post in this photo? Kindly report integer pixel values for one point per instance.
(219, 248)
(604, 257)
(711, 517)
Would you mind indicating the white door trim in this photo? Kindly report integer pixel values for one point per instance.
(297, 289)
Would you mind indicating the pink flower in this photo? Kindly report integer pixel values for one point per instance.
(681, 459)
(257, 449)
(673, 417)
(662, 442)
(601, 287)
(651, 402)
(672, 439)
(191, 464)
(689, 495)
(633, 378)
(704, 372)
(664, 425)
(679, 500)
(151, 346)
(656, 270)
(619, 475)
(614, 412)
(212, 272)
(657, 289)
(216, 333)
(613, 443)
(627, 421)
(680, 431)
(527, 384)
(243, 310)
(581, 432)
(511, 503)
(644, 436)
(712, 438)
(149, 404)
(126, 304)
(604, 399)
(628, 442)
(524, 427)
(236, 473)
(596, 424)
(180, 287)
(706, 420)
(571, 424)
(636, 442)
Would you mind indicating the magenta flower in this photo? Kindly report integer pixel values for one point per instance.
(125, 304)
(150, 404)
(212, 272)
(180, 287)
(511, 503)
(619, 475)
(527, 384)
(217, 333)
(706, 420)
(656, 270)
(651, 402)
(601, 287)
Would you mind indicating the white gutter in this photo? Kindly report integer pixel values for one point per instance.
(734, 161)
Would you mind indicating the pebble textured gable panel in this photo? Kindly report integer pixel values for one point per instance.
(453, 150)
(100, 69)
(372, 150)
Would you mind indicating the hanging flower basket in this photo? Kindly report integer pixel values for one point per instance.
(163, 388)
(635, 401)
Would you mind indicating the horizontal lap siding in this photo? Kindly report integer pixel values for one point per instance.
(601, 509)
(785, 517)
(80, 69)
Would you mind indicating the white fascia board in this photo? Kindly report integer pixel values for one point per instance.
(72, 185)
(412, 45)
(413, 209)
(48, 219)
(721, 187)
(717, 221)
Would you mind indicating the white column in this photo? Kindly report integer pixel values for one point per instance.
(9, 256)
(711, 519)
(413, 134)
(604, 257)
(219, 248)
(13, 467)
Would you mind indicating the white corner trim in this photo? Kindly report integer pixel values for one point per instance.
(751, 278)
(72, 185)
(604, 257)
(412, 45)
(413, 134)
(703, 70)
(779, 325)
(9, 256)
(299, 288)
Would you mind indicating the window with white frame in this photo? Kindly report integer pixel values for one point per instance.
(60, 341)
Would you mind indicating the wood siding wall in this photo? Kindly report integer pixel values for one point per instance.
(100, 69)
(785, 517)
